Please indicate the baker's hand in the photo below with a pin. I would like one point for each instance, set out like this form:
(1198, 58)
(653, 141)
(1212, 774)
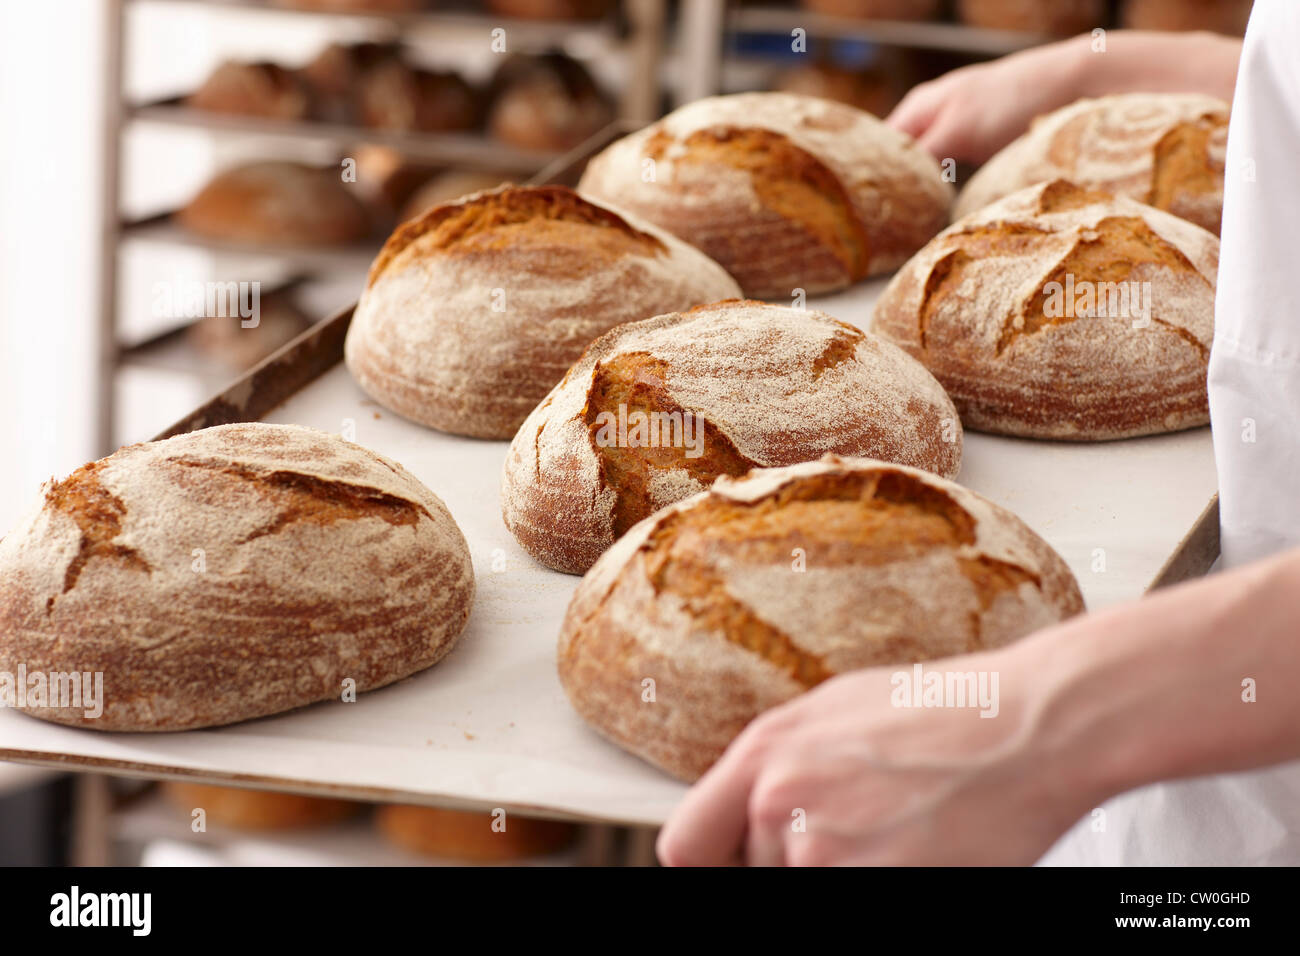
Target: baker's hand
(971, 113)
(840, 775)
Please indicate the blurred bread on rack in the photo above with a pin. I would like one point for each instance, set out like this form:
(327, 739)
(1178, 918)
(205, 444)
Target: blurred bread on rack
(335, 73)
(872, 91)
(276, 201)
(393, 95)
(551, 9)
(253, 89)
(472, 837)
(354, 6)
(1058, 17)
(546, 102)
(225, 338)
(1219, 16)
(877, 9)
(449, 186)
(255, 809)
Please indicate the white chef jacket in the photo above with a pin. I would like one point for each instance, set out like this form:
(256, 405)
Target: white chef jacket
(1245, 818)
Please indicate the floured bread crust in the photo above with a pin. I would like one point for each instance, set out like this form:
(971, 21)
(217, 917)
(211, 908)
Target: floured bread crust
(475, 309)
(231, 573)
(1163, 149)
(996, 307)
(784, 191)
(763, 385)
(746, 595)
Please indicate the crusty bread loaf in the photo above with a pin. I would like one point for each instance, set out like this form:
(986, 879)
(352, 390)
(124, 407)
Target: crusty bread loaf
(1220, 16)
(473, 837)
(784, 191)
(475, 309)
(231, 573)
(253, 89)
(450, 186)
(546, 102)
(277, 202)
(1163, 149)
(752, 385)
(746, 595)
(393, 95)
(1060, 17)
(255, 809)
(877, 9)
(335, 75)
(997, 308)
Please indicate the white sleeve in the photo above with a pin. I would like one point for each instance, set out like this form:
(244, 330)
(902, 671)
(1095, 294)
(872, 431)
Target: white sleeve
(1255, 360)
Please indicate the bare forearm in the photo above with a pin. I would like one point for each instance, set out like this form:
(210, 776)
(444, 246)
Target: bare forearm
(1159, 690)
(1150, 62)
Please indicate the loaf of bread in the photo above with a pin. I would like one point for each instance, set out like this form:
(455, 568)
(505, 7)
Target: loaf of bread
(230, 573)
(277, 202)
(255, 809)
(748, 594)
(335, 75)
(1061, 312)
(656, 410)
(473, 311)
(450, 186)
(877, 9)
(472, 837)
(226, 340)
(253, 89)
(392, 95)
(547, 102)
(1060, 17)
(1220, 16)
(1163, 149)
(786, 192)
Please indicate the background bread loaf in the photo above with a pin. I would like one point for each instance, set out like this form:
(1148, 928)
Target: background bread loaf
(277, 202)
(1163, 149)
(705, 599)
(459, 835)
(231, 573)
(255, 809)
(253, 89)
(996, 308)
(473, 311)
(784, 191)
(761, 385)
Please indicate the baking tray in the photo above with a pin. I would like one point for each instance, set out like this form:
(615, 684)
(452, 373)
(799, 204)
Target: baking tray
(489, 726)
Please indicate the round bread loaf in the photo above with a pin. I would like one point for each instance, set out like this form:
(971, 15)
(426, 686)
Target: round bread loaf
(877, 9)
(230, 573)
(335, 75)
(474, 837)
(1058, 17)
(547, 102)
(392, 95)
(656, 410)
(1221, 16)
(786, 192)
(1163, 149)
(473, 311)
(748, 594)
(253, 89)
(256, 809)
(1062, 313)
(277, 202)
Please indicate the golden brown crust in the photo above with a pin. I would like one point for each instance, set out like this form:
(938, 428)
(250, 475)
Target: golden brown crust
(697, 620)
(230, 573)
(256, 809)
(479, 837)
(785, 191)
(277, 202)
(732, 386)
(474, 310)
(992, 308)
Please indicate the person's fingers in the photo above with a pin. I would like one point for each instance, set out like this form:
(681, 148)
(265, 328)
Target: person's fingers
(949, 138)
(916, 111)
(708, 827)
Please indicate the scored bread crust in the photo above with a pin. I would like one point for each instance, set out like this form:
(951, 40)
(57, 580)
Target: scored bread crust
(746, 595)
(276, 202)
(230, 573)
(1164, 149)
(971, 307)
(785, 191)
(428, 341)
(774, 386)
